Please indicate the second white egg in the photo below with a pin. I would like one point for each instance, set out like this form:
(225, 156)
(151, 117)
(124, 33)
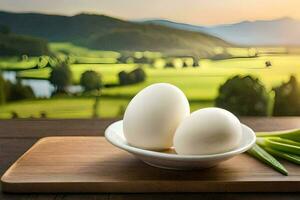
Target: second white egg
(208, 131)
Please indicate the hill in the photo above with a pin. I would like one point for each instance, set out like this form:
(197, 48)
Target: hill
(177, 25)
(107, 33)
(283, 31)
(17, 45)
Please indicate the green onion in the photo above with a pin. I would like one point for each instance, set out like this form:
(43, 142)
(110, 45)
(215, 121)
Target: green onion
(289, 147)
(291, 157)
(265, 157)
(285, 141)
(292, 134)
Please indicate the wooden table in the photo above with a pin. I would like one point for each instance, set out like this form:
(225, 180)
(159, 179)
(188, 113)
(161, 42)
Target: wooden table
(16, 136)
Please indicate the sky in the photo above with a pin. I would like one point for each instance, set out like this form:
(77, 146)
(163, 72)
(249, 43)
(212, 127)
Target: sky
(198, 12)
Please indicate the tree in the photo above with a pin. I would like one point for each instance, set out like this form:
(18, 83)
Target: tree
(90, 80)
(14, 91)
(138, 74)
(195, 62)
(142, 59)
(17, 91)
(96, 107)
(4, 29)
(61, 77)
(287, 98)
(244, 96)
(2, 90)
(122, 78)
(169, 64)
(18, 45)
(135, 76)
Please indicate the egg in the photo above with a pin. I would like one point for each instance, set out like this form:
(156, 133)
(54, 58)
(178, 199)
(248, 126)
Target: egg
(153, 115)
(208, 131)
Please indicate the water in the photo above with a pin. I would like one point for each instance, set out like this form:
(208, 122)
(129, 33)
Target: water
(9, 76)
(41, 88)
(74, 89)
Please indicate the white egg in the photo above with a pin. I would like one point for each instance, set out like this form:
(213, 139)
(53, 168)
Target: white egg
(153, 115)
(208, 131)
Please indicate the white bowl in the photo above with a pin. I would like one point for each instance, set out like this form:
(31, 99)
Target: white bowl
(169, 159)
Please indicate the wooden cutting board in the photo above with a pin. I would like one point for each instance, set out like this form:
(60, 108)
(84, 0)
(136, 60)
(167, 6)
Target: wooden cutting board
(91, 164)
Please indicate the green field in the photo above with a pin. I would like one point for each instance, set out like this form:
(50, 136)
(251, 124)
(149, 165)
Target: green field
(199, 84)
(62, 108)
(15, 64)
(72, 108)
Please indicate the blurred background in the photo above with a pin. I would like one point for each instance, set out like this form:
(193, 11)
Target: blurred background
(87, 59)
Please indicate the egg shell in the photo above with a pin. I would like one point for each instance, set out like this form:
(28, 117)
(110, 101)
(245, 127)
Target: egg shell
(153, 115)
(208, 131)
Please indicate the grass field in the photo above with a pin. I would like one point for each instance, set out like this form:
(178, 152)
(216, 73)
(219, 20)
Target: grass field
(199, 84)
(65, 47)
(62, 108)
(72, 107)
(14, 63)
(203, 82)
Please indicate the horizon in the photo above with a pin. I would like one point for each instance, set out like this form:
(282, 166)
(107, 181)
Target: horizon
(200, 12)
(145, 19)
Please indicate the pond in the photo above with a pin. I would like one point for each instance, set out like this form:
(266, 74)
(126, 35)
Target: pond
(41, 88)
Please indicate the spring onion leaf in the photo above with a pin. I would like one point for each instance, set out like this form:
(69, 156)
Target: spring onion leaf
(285, 141)
(289, 147)
(290, 157)
(292, 134)
(265, 157)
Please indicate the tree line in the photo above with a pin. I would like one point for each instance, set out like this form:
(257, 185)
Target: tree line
(17, 45)
(10, 91)
(242, 95)
(247, 96)
(61, 78)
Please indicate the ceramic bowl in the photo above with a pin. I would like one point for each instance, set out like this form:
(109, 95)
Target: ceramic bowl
(169, 159)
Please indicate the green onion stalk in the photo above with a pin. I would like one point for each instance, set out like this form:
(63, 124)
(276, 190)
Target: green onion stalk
(283, 144)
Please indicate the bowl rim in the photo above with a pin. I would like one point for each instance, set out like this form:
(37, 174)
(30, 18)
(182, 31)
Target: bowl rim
(110, 130)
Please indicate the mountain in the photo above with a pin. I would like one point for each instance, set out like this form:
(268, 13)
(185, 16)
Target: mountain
(283, 31)
(107, 33)
(177, 25)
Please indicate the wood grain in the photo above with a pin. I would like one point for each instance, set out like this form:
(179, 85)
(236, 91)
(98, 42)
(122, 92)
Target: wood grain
(91, 164)
(37, 128)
